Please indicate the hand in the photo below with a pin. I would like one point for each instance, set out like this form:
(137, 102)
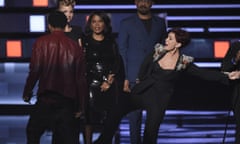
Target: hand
(105, 86)
(126, 86)
(234, 75)
(27, 98)
(110, 78)
(80, 42)
(78, 114)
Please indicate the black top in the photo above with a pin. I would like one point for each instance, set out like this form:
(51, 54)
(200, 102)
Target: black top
(102, 57)
(148, 24)
(162, 81)
(75, 33)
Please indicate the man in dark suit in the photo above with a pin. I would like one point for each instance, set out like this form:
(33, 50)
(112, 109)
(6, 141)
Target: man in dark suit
(137, 36)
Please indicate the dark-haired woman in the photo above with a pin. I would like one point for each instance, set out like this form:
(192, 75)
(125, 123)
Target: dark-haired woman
(105, 79)
(155, 86)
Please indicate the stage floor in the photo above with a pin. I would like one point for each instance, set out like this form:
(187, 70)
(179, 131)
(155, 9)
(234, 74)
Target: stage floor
(178, 127)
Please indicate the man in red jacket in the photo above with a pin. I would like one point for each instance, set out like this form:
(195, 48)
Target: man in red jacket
(58, 64)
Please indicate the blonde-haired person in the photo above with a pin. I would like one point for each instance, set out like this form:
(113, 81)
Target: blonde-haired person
(72, 31)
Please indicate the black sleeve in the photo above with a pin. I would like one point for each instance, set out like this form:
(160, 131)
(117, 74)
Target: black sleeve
(206, 74)
(228, 64)
(116, 64)
(146, 67)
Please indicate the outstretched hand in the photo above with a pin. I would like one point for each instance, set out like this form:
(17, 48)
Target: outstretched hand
(234, 75)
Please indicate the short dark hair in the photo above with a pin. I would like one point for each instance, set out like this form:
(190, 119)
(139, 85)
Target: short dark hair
(182, 36)
(57, 19)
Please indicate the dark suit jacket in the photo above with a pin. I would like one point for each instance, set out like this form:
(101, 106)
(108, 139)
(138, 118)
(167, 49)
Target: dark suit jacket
(135, 42)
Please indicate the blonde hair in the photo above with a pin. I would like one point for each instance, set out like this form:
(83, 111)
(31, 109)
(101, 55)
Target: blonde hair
(66, 3)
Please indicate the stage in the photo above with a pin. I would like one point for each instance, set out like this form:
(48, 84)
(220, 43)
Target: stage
(178, 127)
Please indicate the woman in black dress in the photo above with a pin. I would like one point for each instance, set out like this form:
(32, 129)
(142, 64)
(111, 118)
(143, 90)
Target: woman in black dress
(103, 70)
(155, 86)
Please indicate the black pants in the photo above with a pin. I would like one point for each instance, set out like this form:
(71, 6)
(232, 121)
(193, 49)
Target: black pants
(52, 114)
(155, 106)
(237, 119)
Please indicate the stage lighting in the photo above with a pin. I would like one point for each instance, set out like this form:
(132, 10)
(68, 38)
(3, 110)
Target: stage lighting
(220, 48)
(40, 3)
(14, 48)
(37, 23)
(2, 3)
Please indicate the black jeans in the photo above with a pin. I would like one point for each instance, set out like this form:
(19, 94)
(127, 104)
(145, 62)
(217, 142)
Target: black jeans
(237, 119)
(55, 113)
(155, 106)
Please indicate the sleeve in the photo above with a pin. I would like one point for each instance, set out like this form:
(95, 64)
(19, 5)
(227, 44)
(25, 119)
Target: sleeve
(116, 63)
(123, 45)
(228, 63)
(146, 67)
(144, 76)
(81, 81)
(34, 69)
(205, 74)
(118, 67)
(78, 31)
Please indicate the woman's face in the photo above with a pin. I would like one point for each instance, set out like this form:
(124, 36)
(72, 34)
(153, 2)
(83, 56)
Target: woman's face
(97, 24)
(68, 11)
(171, 42)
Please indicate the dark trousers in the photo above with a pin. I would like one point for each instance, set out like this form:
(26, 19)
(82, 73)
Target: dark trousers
(236, 110)
(237, 119)
(55, 115)
(155, 107)
(135, 122)
(113, 120)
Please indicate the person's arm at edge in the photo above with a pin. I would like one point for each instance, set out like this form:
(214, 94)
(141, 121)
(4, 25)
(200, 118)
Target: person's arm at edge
(33, 75)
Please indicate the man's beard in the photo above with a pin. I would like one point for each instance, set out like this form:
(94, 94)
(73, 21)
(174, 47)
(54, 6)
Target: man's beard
(143, 10)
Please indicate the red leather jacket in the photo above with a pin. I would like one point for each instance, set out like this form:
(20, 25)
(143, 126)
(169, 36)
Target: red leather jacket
(59, 64)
